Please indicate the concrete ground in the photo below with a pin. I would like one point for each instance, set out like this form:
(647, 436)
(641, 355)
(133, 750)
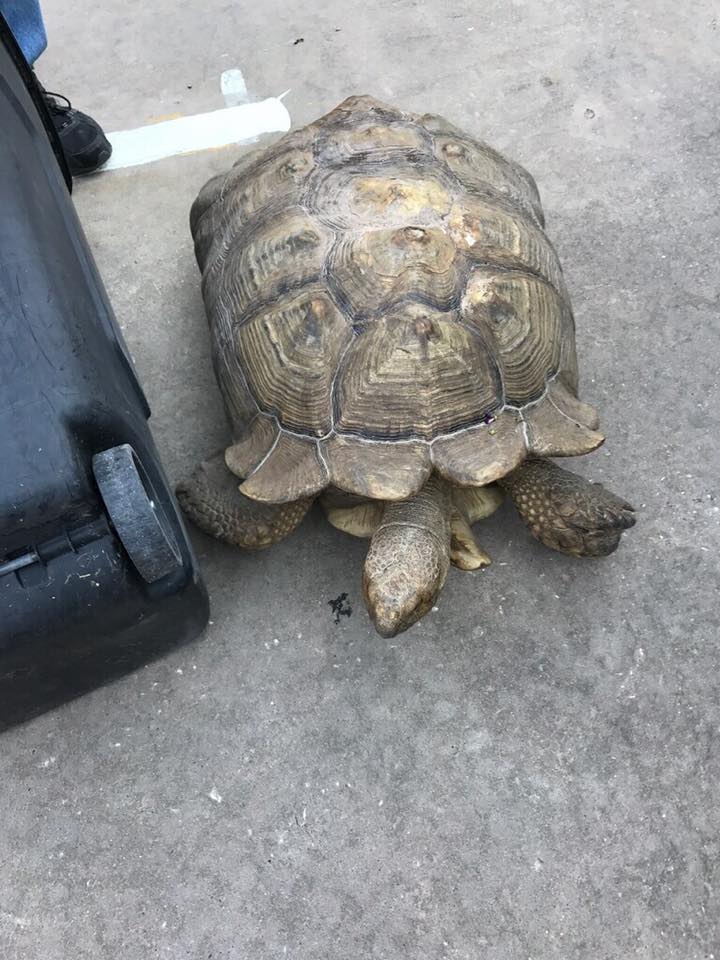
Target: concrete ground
(533, 771)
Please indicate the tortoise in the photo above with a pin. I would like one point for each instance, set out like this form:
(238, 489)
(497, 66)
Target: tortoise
(392, 335)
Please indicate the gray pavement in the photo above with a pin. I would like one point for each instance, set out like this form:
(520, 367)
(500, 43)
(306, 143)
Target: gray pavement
(531, 773)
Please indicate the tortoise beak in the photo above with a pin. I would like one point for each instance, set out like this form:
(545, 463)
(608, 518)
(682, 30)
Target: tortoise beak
(395, 604)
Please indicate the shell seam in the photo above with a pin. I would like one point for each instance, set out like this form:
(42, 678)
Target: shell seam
(562, 413)
(321, 458)
(406, 440)
(267, 455)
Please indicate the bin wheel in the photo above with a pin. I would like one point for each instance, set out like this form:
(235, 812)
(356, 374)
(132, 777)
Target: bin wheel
(136, 513)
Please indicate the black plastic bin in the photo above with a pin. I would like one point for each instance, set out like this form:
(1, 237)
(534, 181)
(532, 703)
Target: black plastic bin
(96, 572)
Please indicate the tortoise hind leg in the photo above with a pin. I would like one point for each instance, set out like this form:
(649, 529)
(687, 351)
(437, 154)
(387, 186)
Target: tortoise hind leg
(211, 499)
(567, 512)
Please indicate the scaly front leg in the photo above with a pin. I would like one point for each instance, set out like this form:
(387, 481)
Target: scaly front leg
(565, 511)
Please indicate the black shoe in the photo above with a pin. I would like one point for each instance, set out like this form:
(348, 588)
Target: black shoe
(84, 144)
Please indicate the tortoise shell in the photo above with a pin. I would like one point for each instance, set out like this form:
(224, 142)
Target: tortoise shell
(384, 302)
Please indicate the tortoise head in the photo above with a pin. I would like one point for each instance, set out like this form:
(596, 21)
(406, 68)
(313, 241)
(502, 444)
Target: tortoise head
(409, 559)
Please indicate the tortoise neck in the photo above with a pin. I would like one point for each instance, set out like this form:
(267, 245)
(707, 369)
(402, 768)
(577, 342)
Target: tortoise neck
(429, 509)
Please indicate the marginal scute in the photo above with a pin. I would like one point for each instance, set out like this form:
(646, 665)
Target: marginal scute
(381, 471)
(240, 404)
(293, 469)
(553, 434)
(439, 126)
(244, 455)
(417, 373)
(372, 140)
(481, 454)
(568, 403)
(205, 218)
(207, 196)
(363, 129)
(522, 317)
(358, 109)
(296, 344)
(568, 367)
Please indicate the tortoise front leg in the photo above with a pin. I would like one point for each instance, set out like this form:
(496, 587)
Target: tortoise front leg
(211, 499)
(565, 511)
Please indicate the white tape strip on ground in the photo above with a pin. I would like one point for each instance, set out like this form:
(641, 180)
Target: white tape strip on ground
(233, 87)
(203, 131)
